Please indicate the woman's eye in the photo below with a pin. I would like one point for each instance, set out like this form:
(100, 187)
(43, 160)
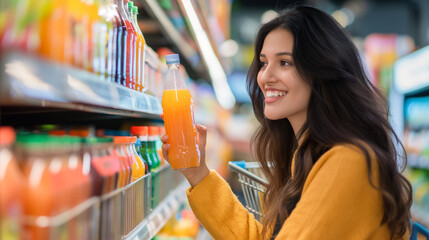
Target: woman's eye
(284, 63)
(262, 64)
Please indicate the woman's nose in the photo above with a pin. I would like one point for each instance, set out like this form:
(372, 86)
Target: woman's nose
(268, 74)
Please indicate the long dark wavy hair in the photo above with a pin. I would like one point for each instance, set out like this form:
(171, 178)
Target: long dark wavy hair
(344, 107)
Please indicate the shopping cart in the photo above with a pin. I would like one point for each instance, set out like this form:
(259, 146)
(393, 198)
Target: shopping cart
(253, 184)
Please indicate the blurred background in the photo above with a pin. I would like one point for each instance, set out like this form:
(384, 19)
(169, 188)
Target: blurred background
(87, 71)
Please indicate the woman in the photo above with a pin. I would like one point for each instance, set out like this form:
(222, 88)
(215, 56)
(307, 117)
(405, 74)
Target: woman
(325, 132)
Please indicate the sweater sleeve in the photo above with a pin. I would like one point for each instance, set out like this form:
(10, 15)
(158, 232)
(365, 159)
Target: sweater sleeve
(220, 212)
(337, 200)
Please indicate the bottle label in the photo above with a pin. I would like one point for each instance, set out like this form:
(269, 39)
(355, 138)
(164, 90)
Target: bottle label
(106, 166)
(143, 138)
(153, 138)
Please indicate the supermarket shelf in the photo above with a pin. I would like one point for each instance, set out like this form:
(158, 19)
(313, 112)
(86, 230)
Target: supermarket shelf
(168, 29)
(420, 215)
(160, 215)
(30, 81)
(417, 161)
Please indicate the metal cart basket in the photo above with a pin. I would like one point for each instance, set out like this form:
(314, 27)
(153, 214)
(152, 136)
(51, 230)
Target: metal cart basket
(253, 183)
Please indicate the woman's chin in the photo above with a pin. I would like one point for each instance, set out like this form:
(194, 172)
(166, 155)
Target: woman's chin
(273, 116)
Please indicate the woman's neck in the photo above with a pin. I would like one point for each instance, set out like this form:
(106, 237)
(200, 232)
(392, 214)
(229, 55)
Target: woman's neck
(297, 122)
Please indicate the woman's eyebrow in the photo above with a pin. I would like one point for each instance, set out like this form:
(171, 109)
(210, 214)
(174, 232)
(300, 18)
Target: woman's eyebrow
(277, 54)
(283, 53)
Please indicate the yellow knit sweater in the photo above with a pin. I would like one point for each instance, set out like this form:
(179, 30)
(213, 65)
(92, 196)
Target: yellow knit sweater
(337, 202)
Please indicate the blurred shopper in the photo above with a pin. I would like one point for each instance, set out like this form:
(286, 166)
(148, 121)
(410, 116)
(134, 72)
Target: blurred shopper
(324, 131)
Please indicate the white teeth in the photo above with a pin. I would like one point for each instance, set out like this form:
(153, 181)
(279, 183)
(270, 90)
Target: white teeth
(275, 93)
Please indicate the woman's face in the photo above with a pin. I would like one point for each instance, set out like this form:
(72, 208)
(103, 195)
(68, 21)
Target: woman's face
(286, 94)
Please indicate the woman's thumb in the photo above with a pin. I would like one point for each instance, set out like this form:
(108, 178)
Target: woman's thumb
(202, 135)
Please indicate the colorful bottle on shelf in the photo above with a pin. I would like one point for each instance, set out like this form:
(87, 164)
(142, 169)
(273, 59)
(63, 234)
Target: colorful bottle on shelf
(80, 28)
(179, 119)
(122, 42)
(120, 150)
(130, 50)
(87, 145)
(112, 47)
(141, 52)
(105, 166)
(79, 172)
(11, 187)
(142, 133)
(101, 39)
(134, 66)
(41, 195)
(153, 137)
(138, 147)
(92, 38)
(138, 164)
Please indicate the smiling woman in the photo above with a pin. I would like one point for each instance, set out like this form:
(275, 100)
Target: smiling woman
(325, 135)
(286, 94)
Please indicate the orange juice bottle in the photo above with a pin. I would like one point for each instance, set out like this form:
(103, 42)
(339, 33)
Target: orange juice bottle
(179, 118)
(11, 187)
(44, 30)
(138, 165)
(55, 38)
(124, 156)
(39, 193)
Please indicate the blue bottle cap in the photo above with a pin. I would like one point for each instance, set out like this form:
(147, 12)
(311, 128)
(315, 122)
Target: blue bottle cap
(172, 58)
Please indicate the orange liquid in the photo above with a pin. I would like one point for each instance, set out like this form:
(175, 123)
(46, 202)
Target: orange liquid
(55, 32)
(138, 168)
(139, 65)
(11, 193)
(39, 197)
(180, 128)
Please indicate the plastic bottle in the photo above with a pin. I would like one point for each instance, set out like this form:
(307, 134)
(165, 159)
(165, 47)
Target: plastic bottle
(92, 36)
(112, 48)
(129, 81)
(141, 52)
(179, 119)
(153, 137)
(142, 133)
(58, 149)
(121, 151)
(138, 147)
(105, 166)
(136, 43)
(40, 193)
(121, 43)
(87, 143)
(138, 164)
(11, 186)
(80, 173)
(102, 34)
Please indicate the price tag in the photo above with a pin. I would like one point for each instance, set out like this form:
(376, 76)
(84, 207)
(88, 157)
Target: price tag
(133, 100)
(149, 104)
(159, 218)
(151, 228)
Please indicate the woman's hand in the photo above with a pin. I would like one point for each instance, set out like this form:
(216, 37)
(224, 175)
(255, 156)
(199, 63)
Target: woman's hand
(196, 174)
